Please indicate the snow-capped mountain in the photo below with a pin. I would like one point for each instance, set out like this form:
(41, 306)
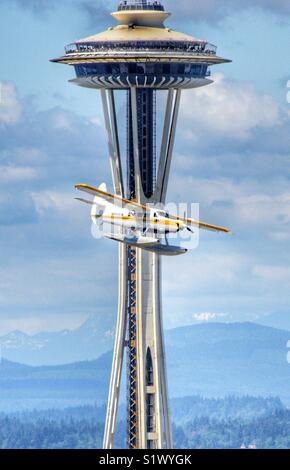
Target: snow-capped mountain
(211, 360)
(92, 339)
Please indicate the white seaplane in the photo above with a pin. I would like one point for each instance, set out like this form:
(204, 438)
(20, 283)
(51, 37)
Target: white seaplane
(141, 226)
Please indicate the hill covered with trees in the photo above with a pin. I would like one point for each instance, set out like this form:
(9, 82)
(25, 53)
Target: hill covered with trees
(229, 423)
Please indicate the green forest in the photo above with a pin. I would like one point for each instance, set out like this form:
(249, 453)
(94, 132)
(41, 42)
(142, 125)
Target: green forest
(202, 424)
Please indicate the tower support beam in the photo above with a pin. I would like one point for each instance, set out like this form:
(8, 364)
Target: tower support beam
(110, 117)
(168, 138)
(109, 109)
(139, 194)
(118, 354)
(140, 306)
(153, 427)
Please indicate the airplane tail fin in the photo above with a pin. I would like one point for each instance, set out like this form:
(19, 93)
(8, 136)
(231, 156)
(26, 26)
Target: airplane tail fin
(103, 187)
(97, 203)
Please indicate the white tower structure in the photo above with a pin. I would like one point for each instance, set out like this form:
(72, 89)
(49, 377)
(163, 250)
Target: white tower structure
(142, 57)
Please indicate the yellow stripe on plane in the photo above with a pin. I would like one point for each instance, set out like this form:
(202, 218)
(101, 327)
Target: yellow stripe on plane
(133, 219)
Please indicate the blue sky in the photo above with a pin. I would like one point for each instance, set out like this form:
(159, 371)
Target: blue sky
(231, 156)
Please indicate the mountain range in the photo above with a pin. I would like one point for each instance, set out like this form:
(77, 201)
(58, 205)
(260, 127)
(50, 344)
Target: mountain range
(279, 320)
(211, 360)
(88, 342)
(92, 339)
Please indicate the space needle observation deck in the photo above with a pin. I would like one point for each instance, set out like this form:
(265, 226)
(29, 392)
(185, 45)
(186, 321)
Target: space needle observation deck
(140, 51)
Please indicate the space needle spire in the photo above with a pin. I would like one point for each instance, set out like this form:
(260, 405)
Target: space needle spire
(142, 57)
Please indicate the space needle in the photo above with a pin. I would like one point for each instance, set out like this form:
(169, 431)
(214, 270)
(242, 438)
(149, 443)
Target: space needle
(142, 57)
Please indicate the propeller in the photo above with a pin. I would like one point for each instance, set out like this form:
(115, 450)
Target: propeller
(189, 229)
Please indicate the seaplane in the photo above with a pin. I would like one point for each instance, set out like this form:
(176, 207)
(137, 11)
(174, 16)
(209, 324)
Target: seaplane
(138, 225)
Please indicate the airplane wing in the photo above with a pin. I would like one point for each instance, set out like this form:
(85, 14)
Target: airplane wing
(209, 227)
(112, 198)
(204, 226)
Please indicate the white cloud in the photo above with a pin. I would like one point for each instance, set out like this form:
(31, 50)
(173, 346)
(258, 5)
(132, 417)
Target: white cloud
(182, 10)
(211, 10)
(26, 155)
(265, 212)
(203, 271)
(240, 204)
(97, 121)
(56, 282)
(36, 324)
(229, 109)
(10, 106)
(280, 236)
(209, 190)
(13, 174)
(216, 277)
(16, 208)
(273, 273)
(61, 120)
(59, 201)
(206, 316)
(264, 209)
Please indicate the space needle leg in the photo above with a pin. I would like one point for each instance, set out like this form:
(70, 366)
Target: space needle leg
(169, 131)
(120, 336)
(138, 183)
(141, 414)
(109, 109)
(154, 427)
(167, 437)
(158, 356)
(115, 382)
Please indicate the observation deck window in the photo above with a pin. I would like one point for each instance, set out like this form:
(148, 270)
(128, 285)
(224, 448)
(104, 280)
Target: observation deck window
(128, 5)
(143, 69)
(148, 46)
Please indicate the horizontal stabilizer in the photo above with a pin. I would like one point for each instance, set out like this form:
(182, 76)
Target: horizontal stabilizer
(84, 200)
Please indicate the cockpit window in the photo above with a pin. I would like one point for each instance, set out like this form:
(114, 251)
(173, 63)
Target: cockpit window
(162, 214)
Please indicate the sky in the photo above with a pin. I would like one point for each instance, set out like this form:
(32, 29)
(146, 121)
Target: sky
(231, 156)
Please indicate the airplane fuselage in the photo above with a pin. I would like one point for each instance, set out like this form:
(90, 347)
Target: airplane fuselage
(153, 221)
(138, 225)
